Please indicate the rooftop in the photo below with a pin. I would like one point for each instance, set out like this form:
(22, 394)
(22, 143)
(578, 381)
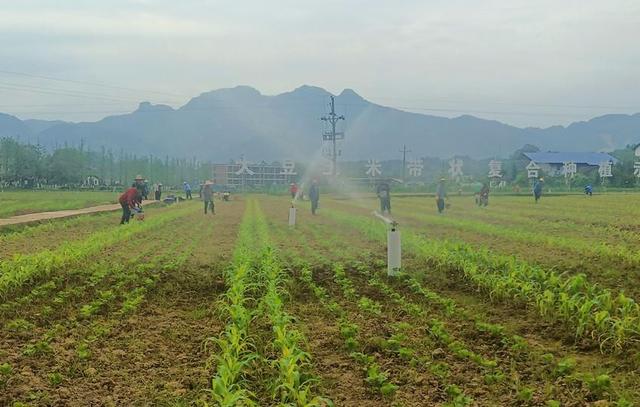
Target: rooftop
(578, 158)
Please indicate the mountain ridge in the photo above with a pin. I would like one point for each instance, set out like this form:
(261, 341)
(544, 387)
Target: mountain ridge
(225, 123)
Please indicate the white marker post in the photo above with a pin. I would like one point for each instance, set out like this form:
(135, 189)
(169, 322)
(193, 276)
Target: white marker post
(394, 251)
(292, 216)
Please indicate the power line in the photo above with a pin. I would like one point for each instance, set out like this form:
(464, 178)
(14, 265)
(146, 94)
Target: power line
(99, 84)
(62, 92)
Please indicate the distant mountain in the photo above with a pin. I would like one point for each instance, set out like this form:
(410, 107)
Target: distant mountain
(226, 123)
(11, 126)
(36, 126)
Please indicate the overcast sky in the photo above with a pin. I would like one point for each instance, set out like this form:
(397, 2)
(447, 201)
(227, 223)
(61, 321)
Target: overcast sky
(528, 63)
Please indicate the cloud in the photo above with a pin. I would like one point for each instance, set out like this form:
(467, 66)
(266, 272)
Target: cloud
(457, 55)
(120, 24)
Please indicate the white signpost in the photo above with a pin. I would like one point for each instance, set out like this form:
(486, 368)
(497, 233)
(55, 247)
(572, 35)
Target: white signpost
(604, 170)
(374, 168)
(455, 169)
(495, 172)
(569, 169)
(244, 167)
(415, 167)
(533, 170)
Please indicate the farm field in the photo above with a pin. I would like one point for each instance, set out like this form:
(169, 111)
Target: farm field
(24, 202)
(515, 304)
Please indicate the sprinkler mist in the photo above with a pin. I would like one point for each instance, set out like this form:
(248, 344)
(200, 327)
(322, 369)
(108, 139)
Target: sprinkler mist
(394, 249)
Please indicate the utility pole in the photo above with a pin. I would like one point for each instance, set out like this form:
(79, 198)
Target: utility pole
(404, 152)
(332, 135)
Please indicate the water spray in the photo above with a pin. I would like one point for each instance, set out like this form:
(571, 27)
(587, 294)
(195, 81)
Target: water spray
(394, 247)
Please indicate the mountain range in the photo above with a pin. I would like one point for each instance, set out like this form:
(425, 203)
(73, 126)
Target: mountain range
(223, 124)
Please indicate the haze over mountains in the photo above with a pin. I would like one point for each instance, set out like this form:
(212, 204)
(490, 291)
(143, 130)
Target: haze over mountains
(223, 124)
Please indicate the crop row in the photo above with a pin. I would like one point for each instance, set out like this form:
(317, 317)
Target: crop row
(235, 348)
(620, 253)
(593, 312)
(27, 268)
(526, 218)
(257, 290)
(548, 369)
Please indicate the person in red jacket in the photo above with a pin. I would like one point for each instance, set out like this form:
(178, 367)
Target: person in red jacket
(129, 200)
(293, 189)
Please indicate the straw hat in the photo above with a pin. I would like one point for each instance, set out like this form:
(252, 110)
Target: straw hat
(208, 182)
(138, 178)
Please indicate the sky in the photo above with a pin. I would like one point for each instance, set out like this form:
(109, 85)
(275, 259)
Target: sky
(526, 63)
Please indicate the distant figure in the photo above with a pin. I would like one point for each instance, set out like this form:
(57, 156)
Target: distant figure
(314, 196)
(187, 189)
(225, 196)
(139, 184)
(157, 190)
(384, 194)
(293, 189)
(207, 197)
(537, 189)
(483, 199)
(129, 200)
(588, 190)
(145, 190)
(441, 194)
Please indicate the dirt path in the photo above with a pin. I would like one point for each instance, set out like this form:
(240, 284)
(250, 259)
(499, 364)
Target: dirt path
(36, 217)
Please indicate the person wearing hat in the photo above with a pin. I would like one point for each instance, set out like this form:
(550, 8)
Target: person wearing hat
(537, 189)
(187, 189)
(441, 194)
(207, 197)
(139, 184)
(129, 200)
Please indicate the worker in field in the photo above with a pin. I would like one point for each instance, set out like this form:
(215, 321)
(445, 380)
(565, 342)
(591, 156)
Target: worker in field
(383, 191)
(157, 190)
(187, 189)
(588, 190)
(130, 199)
(207, 197)
(441, 194)
(293, 190)
(314, 196)
(537, 189)
(145, 190)
(483, 199)
(138, 181)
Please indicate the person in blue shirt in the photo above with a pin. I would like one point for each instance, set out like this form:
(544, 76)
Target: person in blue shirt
(588, 190)
(187, 189)
(537, 189)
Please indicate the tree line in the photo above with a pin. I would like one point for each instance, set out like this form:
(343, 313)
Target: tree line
(33, 166)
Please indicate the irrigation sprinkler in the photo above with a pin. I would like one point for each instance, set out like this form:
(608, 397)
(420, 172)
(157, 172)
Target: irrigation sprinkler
(292, 216)
(394, 246)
